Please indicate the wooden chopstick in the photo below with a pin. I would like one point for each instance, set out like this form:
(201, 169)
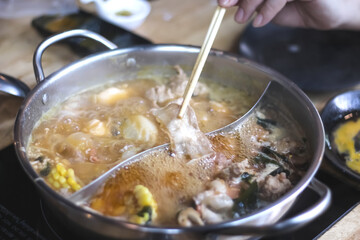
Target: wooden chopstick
(201, 59)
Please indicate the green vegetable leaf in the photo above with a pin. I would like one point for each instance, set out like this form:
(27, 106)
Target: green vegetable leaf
(46, 170)
(267, 124)
(246, 177)
(247, 200)
(143, 211)
(40, 159)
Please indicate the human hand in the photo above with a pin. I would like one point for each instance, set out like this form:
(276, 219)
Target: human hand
(318, 14)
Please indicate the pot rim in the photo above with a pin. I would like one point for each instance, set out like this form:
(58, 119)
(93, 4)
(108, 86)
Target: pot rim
(292, 87)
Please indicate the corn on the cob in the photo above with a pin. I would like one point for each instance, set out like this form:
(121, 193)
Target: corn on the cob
(146, 210)
(60, 177)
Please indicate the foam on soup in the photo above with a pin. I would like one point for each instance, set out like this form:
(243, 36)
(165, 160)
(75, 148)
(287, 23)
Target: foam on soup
(250, 167)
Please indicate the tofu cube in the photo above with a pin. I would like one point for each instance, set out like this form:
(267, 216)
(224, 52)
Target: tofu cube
(140, 128)
(111, 95)
(97, 127)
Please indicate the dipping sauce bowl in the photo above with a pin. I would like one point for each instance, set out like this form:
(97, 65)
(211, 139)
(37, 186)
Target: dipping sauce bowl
(341, 122)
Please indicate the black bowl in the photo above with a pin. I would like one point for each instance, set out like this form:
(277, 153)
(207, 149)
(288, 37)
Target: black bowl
(337, 110)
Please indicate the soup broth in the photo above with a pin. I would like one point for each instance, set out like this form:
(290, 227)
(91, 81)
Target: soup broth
(252, 166)
(81, 138)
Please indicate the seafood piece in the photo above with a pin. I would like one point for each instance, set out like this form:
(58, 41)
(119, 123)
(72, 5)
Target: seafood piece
(189, 217)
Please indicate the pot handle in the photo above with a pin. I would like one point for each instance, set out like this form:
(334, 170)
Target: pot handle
(13, 86)
(286, 225)
(39, 72)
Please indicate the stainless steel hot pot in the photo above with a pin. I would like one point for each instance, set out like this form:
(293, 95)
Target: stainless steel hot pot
(131, 63)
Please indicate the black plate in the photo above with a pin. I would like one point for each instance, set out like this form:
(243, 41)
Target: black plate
(315, 60)
(53, 24)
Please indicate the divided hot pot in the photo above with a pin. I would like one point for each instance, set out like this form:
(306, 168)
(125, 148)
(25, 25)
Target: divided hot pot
(157, 60)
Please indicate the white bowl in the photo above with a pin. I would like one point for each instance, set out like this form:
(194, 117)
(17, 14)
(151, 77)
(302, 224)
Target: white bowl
(111, 10)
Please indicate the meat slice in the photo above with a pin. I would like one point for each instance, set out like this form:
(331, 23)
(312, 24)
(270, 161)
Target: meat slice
(274, 187)
(162, 94)
(185, 136)
(214, 204)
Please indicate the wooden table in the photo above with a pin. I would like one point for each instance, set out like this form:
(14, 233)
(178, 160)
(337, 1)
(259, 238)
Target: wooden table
(170, 21)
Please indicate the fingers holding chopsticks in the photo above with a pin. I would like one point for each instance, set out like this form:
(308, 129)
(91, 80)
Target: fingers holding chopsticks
(266, 9)
(317, 14)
